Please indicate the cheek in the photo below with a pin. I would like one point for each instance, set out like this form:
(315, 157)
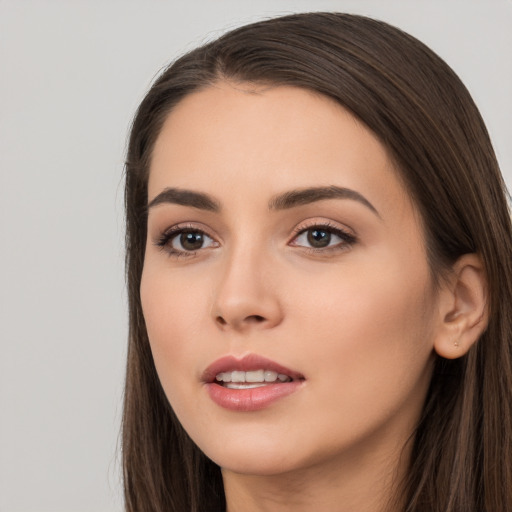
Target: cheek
(174, 312)
(370, 332)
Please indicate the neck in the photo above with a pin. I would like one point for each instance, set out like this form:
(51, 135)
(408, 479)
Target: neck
(357, 481)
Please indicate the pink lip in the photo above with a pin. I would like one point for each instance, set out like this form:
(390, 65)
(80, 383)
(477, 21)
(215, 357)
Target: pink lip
(246, 364)
(245, 400)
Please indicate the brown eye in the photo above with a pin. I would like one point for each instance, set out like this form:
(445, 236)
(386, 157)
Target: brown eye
(324, 237)
(189, 241)
(318, 238)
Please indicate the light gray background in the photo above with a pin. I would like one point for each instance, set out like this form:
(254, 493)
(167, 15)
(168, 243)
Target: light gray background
(71, 76)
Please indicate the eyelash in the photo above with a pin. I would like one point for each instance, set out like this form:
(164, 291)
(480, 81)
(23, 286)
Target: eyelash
(165, 239)
(348, 239)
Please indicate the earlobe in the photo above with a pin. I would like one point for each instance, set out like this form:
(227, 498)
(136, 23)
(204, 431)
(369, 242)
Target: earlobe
(463, 308)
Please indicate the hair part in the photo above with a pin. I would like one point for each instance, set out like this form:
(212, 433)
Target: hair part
(425, 117)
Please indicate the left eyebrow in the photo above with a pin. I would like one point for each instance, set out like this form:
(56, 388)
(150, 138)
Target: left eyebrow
(299, 197)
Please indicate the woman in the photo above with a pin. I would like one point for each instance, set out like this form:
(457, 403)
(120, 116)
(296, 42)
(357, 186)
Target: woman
(319, 270)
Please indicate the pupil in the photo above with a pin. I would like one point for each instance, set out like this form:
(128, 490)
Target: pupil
(191, 241)
(319, 238)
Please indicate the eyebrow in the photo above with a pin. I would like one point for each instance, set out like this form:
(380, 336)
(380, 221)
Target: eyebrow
(285, 201)
(186, 198)
(305, 196)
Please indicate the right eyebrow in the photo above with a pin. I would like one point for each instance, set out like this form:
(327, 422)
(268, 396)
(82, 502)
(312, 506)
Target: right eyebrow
(185, 198)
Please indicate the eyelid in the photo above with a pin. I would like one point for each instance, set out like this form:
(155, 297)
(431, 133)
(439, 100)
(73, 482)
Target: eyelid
(322, 223)
(346, 234)
(162, 240)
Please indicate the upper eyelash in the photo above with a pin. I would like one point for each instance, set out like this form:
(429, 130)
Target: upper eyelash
(163, 239)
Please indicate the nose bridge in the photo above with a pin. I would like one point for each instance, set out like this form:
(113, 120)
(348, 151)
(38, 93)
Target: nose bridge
(245, 295)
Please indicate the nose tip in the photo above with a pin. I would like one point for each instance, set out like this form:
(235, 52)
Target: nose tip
(246, 297)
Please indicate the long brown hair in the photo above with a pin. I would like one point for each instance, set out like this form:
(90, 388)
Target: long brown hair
(423, 114)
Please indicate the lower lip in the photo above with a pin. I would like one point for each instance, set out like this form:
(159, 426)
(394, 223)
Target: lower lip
(254, 399)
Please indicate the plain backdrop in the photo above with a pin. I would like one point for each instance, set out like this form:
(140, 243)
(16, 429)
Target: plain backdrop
(71, 76)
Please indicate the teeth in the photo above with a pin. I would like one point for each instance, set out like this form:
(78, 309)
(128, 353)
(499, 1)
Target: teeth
(234, 385)
(256, 377)
(224, 377)
(270, 376)
(237, 376)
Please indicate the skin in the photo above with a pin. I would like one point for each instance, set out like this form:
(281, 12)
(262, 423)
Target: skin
(358, 319)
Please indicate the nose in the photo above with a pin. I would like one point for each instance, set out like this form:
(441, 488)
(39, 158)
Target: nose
(246, 295)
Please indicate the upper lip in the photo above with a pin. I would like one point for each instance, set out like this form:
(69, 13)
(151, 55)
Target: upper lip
(247, 363)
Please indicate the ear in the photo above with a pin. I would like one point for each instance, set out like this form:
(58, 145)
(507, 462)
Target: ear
(463, 308)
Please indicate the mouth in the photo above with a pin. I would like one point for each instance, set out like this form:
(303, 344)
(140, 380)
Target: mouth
(250, 383)
(236, 379)
(251, 371)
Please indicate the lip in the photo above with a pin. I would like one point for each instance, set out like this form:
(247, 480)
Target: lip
(253, 399)
(247, 363)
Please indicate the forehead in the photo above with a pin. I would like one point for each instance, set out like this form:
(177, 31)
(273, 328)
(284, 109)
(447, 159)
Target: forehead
(268, 139)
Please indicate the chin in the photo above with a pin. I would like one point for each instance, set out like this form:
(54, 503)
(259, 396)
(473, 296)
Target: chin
(253, 458)
(258, 467)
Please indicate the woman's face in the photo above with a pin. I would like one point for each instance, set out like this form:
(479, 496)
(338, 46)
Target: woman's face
(282, 246)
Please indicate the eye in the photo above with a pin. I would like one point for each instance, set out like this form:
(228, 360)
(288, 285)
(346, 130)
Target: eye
(180, 241)
(190, 241)
(323, 237)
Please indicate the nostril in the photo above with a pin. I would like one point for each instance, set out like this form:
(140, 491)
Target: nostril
(239, 323)
(255, 318)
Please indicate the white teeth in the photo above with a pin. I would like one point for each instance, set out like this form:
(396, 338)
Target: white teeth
(253, 377)
(234, 385)
(256, 376)
(237, 376)
(270, 376)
